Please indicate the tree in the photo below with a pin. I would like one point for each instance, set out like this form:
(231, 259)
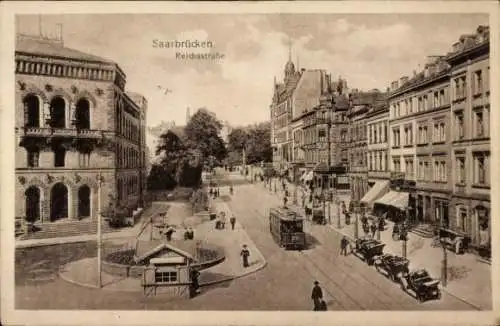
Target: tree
(237, 140)
(202, 134)
(259, 143)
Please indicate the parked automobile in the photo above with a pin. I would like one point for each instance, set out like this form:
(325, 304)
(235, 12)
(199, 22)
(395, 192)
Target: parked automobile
(393, 266)
(368, 249)
(421, 284)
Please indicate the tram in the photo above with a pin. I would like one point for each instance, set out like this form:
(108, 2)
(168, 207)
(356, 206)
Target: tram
(287, 228)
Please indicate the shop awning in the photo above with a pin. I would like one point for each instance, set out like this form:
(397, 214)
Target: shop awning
(394, 198)
(379, 189)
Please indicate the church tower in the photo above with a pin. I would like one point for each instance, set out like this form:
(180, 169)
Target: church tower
(289, 67)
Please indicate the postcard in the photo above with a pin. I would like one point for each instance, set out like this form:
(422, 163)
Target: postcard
(267, 163)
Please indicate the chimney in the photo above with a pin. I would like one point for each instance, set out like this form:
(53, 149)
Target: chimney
(403, 80)
(394, 85)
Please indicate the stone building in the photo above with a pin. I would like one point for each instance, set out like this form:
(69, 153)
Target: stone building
(420, 141)
(360, 104)
(75, 125)
(470, 210)
(377, 152)
(281, 117)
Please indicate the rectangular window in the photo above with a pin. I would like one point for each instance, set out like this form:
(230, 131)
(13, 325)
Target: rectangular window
(166, 277)
(84, 159)
(480, 168)
(459, 122)
(479, 123)
(435, 102)
(59, 157)
(427, 171)
(460, 170)
(420, 170)
(33, 158)
(478, 82)
(426, 102)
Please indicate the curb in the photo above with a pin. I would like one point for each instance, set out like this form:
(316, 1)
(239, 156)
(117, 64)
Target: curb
(256, 249)
(442, 288)
(67, 240)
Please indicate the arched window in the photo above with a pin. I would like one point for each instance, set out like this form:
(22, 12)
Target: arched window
(82, 114)
(31, 111)
(58, 113)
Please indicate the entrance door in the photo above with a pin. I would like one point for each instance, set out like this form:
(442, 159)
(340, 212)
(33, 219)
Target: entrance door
(58, 202)
(32, 195)
(84, 201)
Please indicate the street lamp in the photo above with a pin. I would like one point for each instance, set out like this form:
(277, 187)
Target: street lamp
(100, 180)
(337, 202)
(404, 235)
(444, 262)
(356, 225)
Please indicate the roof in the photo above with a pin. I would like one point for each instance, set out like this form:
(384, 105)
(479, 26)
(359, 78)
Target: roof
(145, 249)
(52, 48)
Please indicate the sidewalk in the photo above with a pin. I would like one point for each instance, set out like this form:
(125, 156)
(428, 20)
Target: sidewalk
(121, 233)
(83, 272)
(468, 279)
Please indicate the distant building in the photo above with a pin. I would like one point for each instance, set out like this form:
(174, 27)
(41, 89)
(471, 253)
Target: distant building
(281, 116)
(74, 122)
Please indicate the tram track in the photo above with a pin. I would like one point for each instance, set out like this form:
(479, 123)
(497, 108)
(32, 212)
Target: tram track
(394, 297)
(339, 301)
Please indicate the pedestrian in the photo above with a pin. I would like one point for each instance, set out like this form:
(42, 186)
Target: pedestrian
(245, 253)
(285, 200)
(186, 234)
(317, 296)
(373, 228)
(169, 233)
(210, 192)
(343, 246)
(194, 283)
(231, 190)
(191, 234)
(232, 220)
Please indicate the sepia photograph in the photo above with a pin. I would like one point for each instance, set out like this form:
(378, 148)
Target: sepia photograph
(241, 161)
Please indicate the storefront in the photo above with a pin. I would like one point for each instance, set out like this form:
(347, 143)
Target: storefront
(376, 191)
(399, 203)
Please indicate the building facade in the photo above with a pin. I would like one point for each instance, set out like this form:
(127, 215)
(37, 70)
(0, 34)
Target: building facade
(75, 128)
(360, 104)
(420, 146)
(281, 117)
(470, 210)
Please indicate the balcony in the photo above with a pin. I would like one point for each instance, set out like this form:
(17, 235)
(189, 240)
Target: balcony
(59, 132)
(379, 174)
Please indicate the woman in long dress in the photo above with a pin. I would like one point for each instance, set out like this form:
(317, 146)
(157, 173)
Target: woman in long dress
(245, 253)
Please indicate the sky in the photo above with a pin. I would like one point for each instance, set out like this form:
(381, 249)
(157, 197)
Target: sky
(369, 50)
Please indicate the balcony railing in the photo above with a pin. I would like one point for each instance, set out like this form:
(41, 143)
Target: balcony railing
(379, 174)
(59, 132)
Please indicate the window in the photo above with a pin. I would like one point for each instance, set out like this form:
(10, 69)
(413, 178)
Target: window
(480, 168)
(33, 158)
(439, 171)
(396, 141)
(166, 277)
(460, 87)
(441, 98)
(375, 140)
(462, 220)
(397, 164)
(408, 135)
(478, 82)
(420, 104)
(409, 168)
(426, 102)
(59, 156)
(420, 172)
(479, 124)
(322, 135)
(459, 121)
(435, 102)
(427, 171)
(439, 132)
(460, 170)
(84, 159)
(410, 106)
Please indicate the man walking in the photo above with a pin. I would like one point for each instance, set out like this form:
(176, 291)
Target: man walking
(343, 246)
(232, 220)
(317, 296)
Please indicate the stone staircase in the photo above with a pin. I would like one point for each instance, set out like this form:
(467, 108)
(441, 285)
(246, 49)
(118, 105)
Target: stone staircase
(66, 229)
(423, 230)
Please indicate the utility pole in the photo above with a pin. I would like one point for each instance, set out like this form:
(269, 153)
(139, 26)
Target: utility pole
(356, 225)
(99, 233)
(444, 264)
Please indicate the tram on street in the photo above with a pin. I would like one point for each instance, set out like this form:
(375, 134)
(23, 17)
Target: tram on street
(287, 228)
